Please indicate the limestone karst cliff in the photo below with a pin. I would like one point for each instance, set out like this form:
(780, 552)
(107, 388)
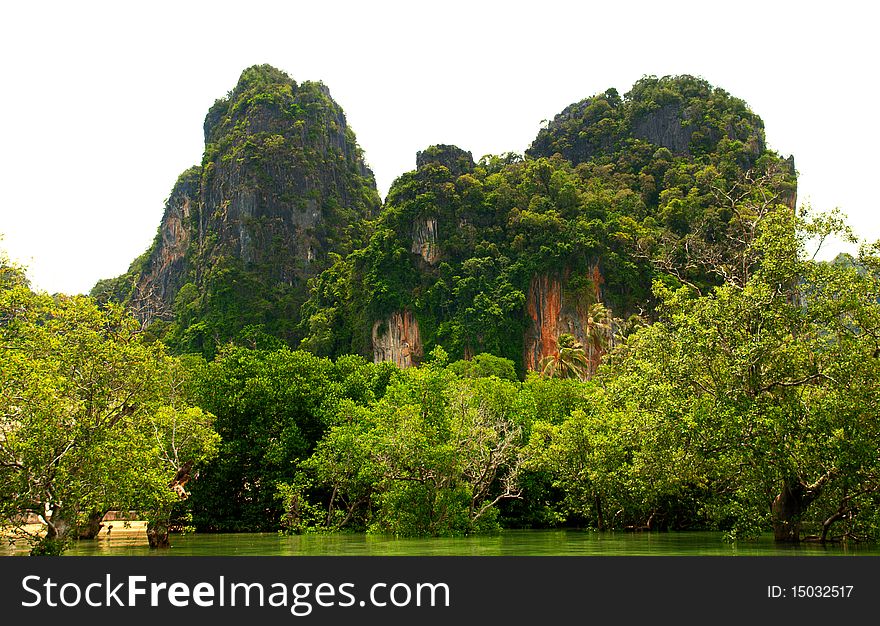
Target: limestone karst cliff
(397, 339)
(282, 185)
(507, 254)
(554, 309)
(278, 235)
(161, 276)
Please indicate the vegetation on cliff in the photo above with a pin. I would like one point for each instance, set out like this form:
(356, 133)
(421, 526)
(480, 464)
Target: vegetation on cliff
(614, 193)
(692, 366)
(282, 186)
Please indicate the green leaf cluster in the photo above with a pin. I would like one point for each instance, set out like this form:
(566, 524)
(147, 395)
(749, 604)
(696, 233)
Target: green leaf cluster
(91, 417)
(434, 456)
(272, 407)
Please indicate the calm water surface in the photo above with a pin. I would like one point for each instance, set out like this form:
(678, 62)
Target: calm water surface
(508, 543)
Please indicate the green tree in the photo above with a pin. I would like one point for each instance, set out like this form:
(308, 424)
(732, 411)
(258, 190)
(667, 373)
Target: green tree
(272, 407)
(597, 327)
(83, 409)
(767, 391)
(484, 365)
(569, 361)
(182, 440)
(434, 456)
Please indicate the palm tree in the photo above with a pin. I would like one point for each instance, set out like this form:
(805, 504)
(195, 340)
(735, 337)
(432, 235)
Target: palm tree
(598, 331)
(570, 360)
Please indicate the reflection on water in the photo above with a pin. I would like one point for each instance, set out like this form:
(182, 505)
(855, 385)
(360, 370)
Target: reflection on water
(507, 543)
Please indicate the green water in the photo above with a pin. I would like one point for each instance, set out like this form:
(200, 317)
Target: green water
(508, 543)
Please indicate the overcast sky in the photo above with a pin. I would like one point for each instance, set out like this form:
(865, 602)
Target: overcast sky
(103, 102)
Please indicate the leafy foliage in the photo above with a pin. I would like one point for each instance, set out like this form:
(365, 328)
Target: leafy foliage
(750, 407)
(607, 185)
(272, 407)
(91, 418)
(434, 456)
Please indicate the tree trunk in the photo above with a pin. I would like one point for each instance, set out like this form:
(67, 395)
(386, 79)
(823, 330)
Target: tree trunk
(158, 535)
(787, 509)
(55, 541)
(826, 525)
(792, 502)
(92, 527)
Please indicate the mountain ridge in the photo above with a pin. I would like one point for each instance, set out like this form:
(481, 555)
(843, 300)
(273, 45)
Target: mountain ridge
(279, 234)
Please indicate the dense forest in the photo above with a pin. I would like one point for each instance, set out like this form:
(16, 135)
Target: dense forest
(623, 327)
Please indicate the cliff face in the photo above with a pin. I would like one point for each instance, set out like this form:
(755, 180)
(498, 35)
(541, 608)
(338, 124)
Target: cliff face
(566, 303)
(508, 255)
(504, 256)
(544, 307)
(162, 275)
(285, 182)
(665, 127)
(421, 213)
(397, 339)
(425, 233)
(282, 185)
(424, 240)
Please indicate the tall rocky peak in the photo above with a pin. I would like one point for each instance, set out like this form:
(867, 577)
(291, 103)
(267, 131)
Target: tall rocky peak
(453, 158)
(683, 114)
(282, 185)
(283, 174)
(424, 225)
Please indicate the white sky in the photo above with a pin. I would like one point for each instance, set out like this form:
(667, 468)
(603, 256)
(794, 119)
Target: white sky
(102, 103)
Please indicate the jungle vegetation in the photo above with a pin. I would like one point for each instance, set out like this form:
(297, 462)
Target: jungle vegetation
(738, 391)
(749, 408)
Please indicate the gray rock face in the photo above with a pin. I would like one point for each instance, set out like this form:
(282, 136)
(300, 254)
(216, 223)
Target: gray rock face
(282, 184)
(664, 127)
(424, 240)
(164, 270)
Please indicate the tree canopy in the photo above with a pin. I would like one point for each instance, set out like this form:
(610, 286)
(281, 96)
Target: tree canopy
(93, 419)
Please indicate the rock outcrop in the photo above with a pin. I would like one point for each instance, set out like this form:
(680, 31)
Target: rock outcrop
(507, 256)
(424, 240)
(665, 127)
(397, 339)
(683, 114)
(284, 180)
(453, 158)
(165, 269)
(566, 303)
(282, 185)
